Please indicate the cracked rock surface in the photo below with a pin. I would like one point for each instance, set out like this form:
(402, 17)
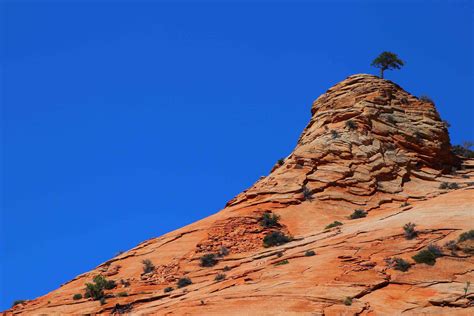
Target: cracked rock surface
(369, 145)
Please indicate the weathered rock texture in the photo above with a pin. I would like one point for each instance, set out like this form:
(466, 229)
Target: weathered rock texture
(370, 145)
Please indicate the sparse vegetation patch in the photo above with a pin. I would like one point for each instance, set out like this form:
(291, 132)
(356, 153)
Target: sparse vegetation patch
(409, 230)
(280, 263)
(358, 214)
(269, 220)
(77, 296)
(184, 282)
(208, 260)
(469, 235)
(96, 289)
(333, 224)
(307, 194)
(275, 239)
(148, 266)
(347, 301)
(220, 277)
(425, 256)
(399, 264)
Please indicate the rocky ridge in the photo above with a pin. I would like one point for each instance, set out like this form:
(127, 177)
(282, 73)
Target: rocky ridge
(370, 146)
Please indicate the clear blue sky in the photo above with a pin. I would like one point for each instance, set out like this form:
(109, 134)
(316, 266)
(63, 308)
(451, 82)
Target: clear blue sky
(124, 121)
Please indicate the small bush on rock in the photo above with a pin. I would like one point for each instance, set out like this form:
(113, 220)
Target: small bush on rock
(469, 235)
(463, 151)
(391, 119)
(208, 260)
(16, 302)
(334, 134)
(122, 294)
(280, 263)
(425, 256)
(96, 289)
(453, 186)
(351, 125)
(347, 301)
(435, 250)
(275, 239)
(168, 289)
(309, 253)
(223, 251)
(219, 277)
(307, 194)
(409, 230)
(77, 296)
(333, 224)
(269, 220)
(400, 264)
(452, 246)
(184, 282)
(358, 214)
(426, 98)
(148, 266)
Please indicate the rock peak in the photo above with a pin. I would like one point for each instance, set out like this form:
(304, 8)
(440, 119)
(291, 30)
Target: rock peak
(367, 137)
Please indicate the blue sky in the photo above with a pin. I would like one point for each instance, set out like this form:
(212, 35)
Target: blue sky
(122, 121)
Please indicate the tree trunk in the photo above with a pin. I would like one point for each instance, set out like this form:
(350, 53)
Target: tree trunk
(381, 72)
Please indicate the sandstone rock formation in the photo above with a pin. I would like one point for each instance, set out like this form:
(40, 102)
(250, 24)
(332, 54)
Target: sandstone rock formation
(370, 145)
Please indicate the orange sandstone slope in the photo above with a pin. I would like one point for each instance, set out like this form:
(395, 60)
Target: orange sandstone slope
(370, 145)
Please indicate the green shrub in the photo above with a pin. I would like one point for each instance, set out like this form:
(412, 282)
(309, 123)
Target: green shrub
(451, 245)
(280, 263)
(184, 282)
(444, 185)
(391, 119)
(102, 300)
(453, 186)
(122, 294)
(168, 289)
(400, 264)
(358, 214)
(220, 277)
(334, 134)
(409, 230)
(96, 289)
(223, 251)
(435, 250)
(208, 260)
(125, 283)
(269, 219)
(77, 296)
(462, 151)
(309, 253)
(351, 125)
(307, 194)
(425, 256)
(18, 302)
(466, 288)
(275, 239)
(348, 301)
(404, 204)
(148, 266)
(466, 236)
(333, 224)
(426, 98)
(281, 161)
(418, 137)
(226, 268)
